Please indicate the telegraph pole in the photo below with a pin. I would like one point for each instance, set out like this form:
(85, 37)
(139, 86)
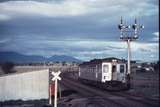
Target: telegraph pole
(127, 36)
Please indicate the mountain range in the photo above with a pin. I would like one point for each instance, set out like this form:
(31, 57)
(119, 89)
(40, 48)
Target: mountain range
(20, 58)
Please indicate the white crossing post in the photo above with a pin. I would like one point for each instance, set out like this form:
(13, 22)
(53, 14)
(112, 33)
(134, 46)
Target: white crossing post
(56, 78)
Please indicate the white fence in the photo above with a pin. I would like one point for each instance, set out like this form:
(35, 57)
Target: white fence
(25, 86)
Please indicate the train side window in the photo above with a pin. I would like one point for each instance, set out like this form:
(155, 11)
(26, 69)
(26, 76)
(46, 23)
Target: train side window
(105, 68)
(121, 68)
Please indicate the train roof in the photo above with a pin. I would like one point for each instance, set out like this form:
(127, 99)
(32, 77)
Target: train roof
(99, 61)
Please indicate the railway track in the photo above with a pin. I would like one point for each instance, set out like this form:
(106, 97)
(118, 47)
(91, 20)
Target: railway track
(102, 98)
(144, 100)
(93, 98)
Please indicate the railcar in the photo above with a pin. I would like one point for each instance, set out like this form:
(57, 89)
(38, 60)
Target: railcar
(108, 73)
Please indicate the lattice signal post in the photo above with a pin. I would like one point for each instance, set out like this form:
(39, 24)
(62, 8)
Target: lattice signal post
(129, 33)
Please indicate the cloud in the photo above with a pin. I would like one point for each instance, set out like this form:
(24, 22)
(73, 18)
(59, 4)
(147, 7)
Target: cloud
(85, 29)
(145, 47)
(82, 49)
(156, 34)
(80, 7)
(4, 17)
(156, 38)
(42, 8)
(2, 41)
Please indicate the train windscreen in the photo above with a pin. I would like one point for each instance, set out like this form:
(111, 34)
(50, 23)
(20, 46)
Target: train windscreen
(105, 68)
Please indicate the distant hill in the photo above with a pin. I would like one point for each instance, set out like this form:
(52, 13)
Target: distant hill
(20, 58)
(63, 58)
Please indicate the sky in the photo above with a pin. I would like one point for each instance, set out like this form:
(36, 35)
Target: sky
(84, 29)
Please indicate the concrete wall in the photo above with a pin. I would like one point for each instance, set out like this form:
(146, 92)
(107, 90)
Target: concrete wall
(25, 86)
